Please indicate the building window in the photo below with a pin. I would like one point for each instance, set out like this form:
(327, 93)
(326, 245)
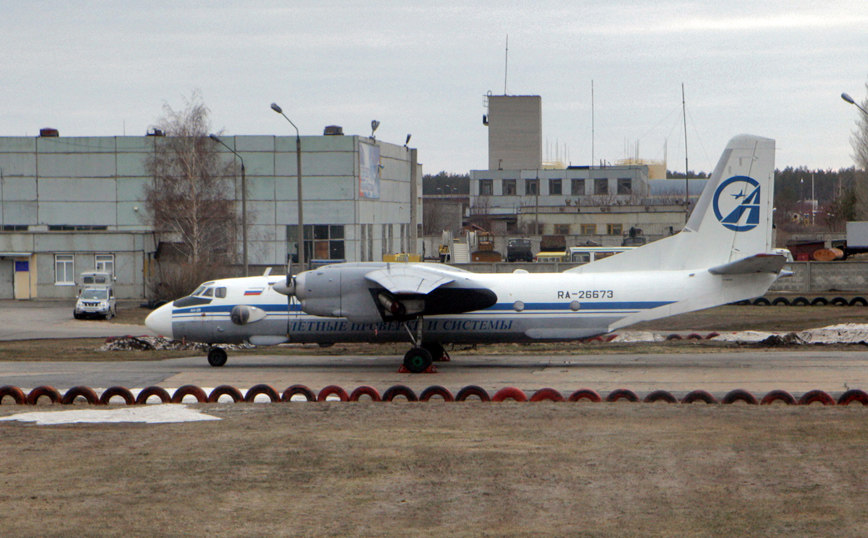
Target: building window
(614, 229)
(64, 269)
(486, 187)
(555, 187)
(105, 263)
(625, 185)
(589, 229)
(578, 187)
(509, 187)
(562, 229)
(321, 242)
(531, 187)
(601, 186)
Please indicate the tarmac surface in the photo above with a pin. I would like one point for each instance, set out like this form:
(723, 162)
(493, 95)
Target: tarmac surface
(758, 371)
(26, 320)
(718, 373)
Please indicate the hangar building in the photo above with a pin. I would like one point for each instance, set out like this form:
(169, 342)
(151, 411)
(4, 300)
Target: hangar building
(75, 204)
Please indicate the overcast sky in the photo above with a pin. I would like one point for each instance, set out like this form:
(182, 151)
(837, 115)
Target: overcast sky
(770, 68)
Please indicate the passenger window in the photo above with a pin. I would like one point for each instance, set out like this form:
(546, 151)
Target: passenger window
(220, 293)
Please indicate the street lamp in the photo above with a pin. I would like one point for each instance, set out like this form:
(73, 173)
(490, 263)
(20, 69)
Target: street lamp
(243, 204)
(850, 100)
(275, 107)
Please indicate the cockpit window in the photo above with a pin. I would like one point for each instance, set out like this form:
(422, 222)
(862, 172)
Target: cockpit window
(198, 291)
(220, 293)
(208, 293)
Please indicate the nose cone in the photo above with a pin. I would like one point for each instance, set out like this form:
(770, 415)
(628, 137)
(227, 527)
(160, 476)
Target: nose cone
(160, 320)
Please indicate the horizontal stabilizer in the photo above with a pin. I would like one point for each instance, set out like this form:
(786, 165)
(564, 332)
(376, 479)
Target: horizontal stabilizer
(408, 279)
(760, 263)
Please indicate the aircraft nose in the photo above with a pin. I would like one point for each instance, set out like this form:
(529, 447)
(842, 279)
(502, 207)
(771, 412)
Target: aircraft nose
(160, 320)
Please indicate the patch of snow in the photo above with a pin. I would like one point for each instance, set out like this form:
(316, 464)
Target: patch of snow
(845, 333)
(157, 414)
(638, 336)
(744, 337)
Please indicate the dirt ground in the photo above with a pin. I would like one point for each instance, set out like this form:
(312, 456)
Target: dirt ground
(457, 469)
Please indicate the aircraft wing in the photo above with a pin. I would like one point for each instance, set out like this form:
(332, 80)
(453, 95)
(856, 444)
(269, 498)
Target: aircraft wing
(760, 263)
(408, 279)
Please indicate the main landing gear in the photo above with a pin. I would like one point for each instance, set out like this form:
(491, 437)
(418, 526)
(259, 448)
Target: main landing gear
(217, 356)
(420, 358)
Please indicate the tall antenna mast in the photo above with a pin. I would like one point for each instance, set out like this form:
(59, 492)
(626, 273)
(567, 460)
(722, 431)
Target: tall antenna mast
(592, 122)
(506, 66)
(686, 167)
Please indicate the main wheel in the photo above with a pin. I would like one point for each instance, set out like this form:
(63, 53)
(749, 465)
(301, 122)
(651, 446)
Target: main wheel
(217, 356)
(417, 360)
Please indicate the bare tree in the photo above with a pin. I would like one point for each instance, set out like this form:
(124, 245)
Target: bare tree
(191, 201)
(859, 141)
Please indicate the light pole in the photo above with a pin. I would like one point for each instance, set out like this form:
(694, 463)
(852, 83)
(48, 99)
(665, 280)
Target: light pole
(850, 100)
(276, 108)
(243, 205)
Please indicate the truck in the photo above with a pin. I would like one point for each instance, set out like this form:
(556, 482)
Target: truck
(96, 296)
(518, 249)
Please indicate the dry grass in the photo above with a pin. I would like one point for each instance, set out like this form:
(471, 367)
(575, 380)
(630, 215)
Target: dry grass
(467, 469)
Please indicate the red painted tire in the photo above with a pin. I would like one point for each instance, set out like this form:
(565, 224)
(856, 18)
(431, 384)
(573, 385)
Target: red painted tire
(225, 390)
(711, 335)
(739, 395)
(159, 392)
(777, 395)
(44, 390)
(622, 394)
(585, 394)
(189, 390)
(699, 396)
(660, 396)
(694, 336)
(332, 389)
(436, 390)
(15, 393)
(611, 337)
(547, 394)
(594, 339)
(674, 336)
(399, 390)
(262, 388)
(298, 389)
(85, 392)
(853, 395)
(472, 390)
(509, 393)
(371, 392)
(813, 396)
(111, 392)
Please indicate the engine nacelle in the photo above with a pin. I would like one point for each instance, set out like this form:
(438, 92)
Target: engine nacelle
(243, 314)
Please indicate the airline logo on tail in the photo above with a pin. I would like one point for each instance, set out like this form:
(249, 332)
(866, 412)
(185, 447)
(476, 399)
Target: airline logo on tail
(737, 203)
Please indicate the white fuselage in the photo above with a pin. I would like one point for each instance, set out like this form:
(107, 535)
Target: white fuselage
(530, 306)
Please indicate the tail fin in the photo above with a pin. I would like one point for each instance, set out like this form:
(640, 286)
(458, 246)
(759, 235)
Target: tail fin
(731, 221)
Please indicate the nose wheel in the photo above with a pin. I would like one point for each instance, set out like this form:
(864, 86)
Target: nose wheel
(217, 356)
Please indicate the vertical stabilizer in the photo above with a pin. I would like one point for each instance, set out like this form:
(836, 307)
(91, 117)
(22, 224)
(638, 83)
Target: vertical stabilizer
(732, 219)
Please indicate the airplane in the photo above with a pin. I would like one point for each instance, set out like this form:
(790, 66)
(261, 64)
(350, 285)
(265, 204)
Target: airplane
(723, 255)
